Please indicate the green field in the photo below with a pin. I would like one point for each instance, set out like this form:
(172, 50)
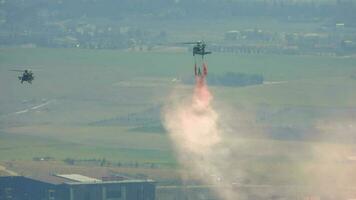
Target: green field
(90, 104)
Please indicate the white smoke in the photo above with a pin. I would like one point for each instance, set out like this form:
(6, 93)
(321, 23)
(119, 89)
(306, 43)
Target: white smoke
(193, 125)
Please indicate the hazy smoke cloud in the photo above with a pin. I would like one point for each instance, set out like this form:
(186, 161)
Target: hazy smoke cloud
(229, 150)
(335, 157)
(193, 125)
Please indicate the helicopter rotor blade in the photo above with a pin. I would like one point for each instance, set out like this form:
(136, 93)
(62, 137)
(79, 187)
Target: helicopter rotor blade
(188, 43)
(28, 69)
(17, 70)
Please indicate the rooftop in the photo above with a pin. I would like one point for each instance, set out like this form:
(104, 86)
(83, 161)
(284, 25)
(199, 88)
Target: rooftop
(76, 179)
(56, 174)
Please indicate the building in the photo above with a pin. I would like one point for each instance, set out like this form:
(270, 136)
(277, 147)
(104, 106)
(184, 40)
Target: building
(74, 187)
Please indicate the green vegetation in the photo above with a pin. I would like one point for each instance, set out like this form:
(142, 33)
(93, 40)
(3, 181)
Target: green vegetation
(106, 104)
(247, 27)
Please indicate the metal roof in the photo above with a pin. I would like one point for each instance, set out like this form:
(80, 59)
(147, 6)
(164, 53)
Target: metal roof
(57, 180)
(77, 178)
(113, 182)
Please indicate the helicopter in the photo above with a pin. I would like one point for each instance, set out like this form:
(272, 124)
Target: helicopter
(199, 49)
(27, 75)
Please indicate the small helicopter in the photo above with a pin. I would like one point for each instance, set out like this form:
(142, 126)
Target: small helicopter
(27, 75)
(199, 49)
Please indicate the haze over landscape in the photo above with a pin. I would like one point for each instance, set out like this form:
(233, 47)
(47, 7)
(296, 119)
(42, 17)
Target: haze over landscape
(115, 94)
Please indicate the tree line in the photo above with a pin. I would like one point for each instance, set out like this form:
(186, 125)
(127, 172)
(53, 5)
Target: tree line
(230, 79)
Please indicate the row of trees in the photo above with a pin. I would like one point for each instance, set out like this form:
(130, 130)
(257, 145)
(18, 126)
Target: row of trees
(230, 79)
(106, 163)
(235, 79)
(118, 24)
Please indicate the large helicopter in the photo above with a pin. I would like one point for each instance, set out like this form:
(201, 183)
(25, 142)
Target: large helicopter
(27, 75)
(199, 49)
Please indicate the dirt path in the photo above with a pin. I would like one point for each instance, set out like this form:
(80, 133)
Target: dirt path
(11, 173)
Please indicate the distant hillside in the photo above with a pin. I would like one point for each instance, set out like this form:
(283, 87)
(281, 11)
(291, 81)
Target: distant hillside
(21, 11)
(141, 24)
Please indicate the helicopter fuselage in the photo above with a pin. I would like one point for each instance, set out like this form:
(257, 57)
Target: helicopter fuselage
(200, 50)
(26, 77)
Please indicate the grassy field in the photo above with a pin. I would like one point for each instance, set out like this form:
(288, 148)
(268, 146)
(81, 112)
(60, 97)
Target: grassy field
(94, 104)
